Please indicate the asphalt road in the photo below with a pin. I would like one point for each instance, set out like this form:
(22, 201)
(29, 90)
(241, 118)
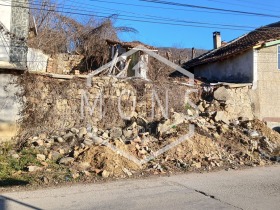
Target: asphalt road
(255, 188)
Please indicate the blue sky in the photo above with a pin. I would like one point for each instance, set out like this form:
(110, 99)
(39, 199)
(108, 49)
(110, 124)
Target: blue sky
(168, 35)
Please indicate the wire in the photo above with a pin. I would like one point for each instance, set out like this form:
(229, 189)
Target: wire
(170, 19)
(138, 5)
(242, 5)
(209, 8)
(227, 26)
(128, 19)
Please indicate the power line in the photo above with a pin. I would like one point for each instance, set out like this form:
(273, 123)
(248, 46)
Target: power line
(170, 19)
(228, 3)
(166, 8)
(159, 18)
(129, 19)
(209, 8)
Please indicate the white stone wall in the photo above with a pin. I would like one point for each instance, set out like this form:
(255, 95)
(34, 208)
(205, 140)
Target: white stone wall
(9, 108)
(5, 19)
(37, 60)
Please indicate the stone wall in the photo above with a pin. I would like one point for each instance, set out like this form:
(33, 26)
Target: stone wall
(5, 20)
(54, 104)
(237, 102)
(19, 27)
(63, 63)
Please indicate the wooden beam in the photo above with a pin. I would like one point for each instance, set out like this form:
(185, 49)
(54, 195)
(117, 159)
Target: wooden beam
(268, 44)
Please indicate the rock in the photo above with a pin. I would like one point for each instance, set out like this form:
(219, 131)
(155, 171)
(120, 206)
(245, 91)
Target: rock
(196, 164)
(53, 155)
(82, 132)
(83, 166)
(90, 135)
(68, 136)
(105, 174)
(127, 133)
(16, 156)
(60, 140)
(105, 135)
(253, 133)
(216, 135)
(43, 136)
(189, 112)
(66, 160)
(74, 130)
(94, 129)
(222, 94)
(221, 117)
(97, 140)
(41, 157)
(75, 175)
(34, 168)
(88, 142)
(178, 118)
(115, 132)
(254, 145)
(201, 108)
(45, 180)
(126, 171)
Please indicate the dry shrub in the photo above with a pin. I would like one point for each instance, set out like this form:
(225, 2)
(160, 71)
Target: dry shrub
(38, 97)
(57, 33)
(158, 71)
(175, 94)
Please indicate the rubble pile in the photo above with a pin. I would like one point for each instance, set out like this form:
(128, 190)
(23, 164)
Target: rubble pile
(226, 136)
(215, 144)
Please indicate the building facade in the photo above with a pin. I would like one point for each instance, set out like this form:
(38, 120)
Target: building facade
(14, 22)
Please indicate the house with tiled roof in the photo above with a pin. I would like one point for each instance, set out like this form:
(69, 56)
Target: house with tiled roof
(252, 58)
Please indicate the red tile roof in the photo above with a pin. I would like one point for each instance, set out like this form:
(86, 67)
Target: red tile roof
(237, 46)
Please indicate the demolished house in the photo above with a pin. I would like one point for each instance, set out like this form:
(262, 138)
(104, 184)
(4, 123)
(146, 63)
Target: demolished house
(252, 58)
(137, 64)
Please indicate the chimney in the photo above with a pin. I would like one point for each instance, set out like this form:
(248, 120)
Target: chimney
(217, 39)
(193, 53)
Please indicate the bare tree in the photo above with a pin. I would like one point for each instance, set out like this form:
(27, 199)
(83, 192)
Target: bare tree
(57, 33)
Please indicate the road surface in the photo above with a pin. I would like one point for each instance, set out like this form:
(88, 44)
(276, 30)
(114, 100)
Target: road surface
(255, 188)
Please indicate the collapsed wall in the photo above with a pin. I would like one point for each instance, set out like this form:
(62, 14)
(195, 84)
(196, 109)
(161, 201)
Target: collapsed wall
(54, 104)
(231, 102)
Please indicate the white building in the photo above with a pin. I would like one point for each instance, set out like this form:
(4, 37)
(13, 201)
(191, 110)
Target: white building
(13, 34)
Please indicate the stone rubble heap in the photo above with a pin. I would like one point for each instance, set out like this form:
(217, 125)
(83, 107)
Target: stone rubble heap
(217, 143)
(221, 139)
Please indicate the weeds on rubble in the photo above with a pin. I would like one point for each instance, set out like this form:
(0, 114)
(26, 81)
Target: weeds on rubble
(14, 170)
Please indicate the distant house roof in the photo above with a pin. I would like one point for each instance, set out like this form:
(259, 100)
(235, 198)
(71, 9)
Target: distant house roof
(259, 36)
(129, 45)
